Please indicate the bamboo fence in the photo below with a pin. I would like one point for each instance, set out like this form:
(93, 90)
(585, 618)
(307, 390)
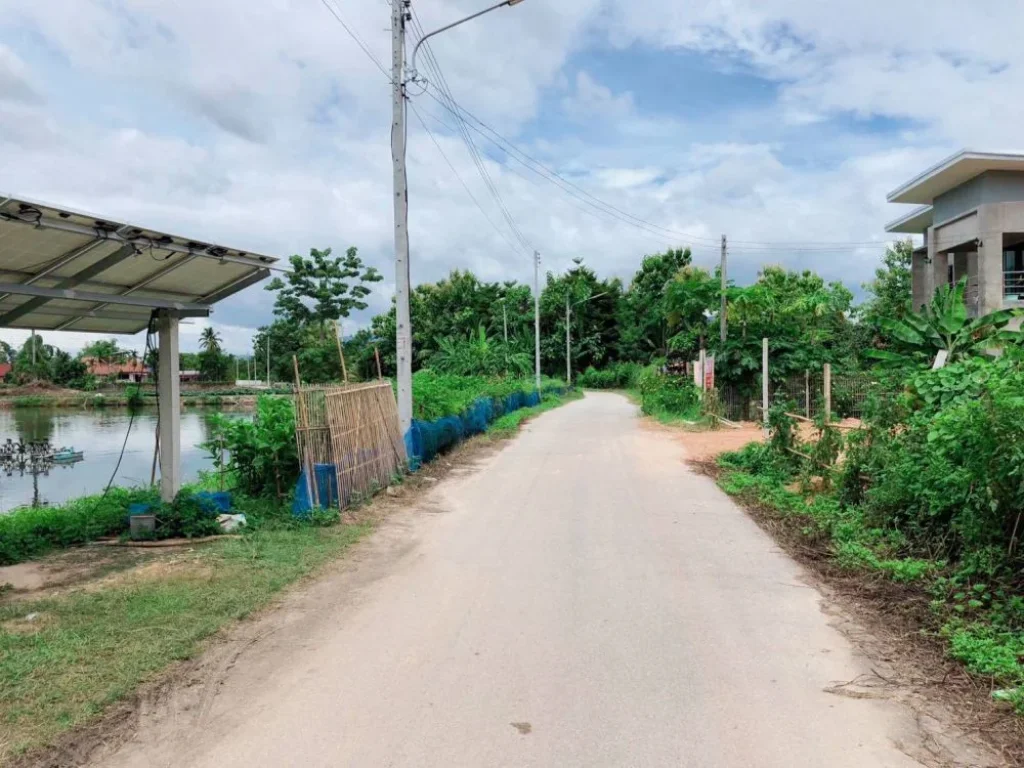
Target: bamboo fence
(356, 429)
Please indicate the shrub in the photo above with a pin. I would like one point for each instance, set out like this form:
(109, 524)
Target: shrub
(669, 395)
(621, 375)
(33, 531)
(261, 452)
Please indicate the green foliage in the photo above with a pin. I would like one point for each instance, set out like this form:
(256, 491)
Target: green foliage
(479, 356)
(261, 452)
(942, 325)
(890, 288)
(436, 395)
(689, 295)
(668, 395)
(621, 375)
(643, 311)
(31, 532)
(186, 518)
(321, 289)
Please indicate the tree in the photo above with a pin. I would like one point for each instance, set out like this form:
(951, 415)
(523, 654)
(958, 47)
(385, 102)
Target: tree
(209, 340)
(321, 289)
(643, 314)
(688, 298)
(890, 289)
(102, 350)
(941, 326)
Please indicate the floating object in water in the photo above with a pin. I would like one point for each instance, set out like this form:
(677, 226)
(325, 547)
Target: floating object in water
(66, 455)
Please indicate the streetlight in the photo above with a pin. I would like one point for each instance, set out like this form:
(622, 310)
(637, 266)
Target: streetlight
(568, 340)
(403, 321)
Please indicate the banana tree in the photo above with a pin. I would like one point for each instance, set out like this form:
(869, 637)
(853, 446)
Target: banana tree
(943, 325)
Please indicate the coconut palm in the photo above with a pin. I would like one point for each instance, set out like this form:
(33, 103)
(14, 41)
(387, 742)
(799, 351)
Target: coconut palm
(209, 340)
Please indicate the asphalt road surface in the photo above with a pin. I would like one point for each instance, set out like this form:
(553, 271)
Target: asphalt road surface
(580, 598)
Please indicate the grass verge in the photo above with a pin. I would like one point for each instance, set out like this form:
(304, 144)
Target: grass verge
(82, 651)
(508, 425)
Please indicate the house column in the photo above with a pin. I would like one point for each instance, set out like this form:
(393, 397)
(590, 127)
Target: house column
(990, 260)
(937, 270)
(169, 398)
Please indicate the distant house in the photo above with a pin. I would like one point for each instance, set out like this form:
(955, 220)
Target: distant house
(188, 376)
(5, 368)
(971, 215)
(128, 370)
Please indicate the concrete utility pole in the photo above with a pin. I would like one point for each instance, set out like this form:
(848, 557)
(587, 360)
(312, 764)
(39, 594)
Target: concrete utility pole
(722, 320)
(568, 343)
(403, 339)
(268, 356)
(536, 315)
(504, 320)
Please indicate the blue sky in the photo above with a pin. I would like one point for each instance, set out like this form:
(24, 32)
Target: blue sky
(265, 127)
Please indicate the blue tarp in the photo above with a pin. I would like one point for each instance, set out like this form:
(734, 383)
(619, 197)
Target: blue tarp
(423, 442)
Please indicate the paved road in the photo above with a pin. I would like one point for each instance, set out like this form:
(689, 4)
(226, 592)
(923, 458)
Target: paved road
(581, 599)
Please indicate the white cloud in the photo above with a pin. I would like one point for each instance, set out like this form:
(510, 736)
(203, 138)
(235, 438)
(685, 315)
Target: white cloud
(264, 126)
(591, 99)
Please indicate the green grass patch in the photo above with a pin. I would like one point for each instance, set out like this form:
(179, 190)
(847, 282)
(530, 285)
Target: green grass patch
(87, 650)
(508, 425)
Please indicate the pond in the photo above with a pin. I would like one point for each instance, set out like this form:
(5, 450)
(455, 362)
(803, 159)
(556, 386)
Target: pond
(99, 434)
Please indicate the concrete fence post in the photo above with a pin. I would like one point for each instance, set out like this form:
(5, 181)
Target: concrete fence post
(764, 384)
(828, 393)
(807, 393)
(703, 381)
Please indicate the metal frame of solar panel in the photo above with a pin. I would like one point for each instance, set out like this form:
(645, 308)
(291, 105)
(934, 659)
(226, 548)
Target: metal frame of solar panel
(64, 270)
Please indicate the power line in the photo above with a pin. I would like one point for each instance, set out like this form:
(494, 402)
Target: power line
(511, 150)
(442, 85)
(462, 181)
(330, 6)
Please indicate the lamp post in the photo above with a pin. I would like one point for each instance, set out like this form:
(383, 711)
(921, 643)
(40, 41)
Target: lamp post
(403, 332)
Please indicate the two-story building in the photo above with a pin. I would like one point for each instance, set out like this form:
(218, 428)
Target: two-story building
(971, 215)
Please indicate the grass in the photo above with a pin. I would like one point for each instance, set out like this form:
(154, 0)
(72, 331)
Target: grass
(89, 649)
(508, 425)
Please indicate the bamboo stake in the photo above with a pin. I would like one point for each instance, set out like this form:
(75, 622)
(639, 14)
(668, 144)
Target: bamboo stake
(341, 354)
(376, 354)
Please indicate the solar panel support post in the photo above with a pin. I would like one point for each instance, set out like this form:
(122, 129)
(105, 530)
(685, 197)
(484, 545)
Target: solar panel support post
(169, 397)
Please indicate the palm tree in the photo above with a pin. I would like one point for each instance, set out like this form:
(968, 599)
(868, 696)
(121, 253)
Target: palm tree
(209, 340)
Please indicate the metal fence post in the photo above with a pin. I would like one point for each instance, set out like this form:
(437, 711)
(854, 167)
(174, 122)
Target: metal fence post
(764, 384)
(828, 393)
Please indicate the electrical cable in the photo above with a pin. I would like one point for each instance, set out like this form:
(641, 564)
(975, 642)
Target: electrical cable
(337, 16)
(442, 84)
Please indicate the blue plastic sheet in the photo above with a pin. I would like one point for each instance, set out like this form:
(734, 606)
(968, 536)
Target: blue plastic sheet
(326, 490)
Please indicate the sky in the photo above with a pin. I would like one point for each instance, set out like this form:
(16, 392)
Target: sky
(266, 127)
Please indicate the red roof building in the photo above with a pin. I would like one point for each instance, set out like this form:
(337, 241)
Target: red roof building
(129, 370)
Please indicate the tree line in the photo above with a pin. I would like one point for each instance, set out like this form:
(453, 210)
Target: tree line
(668, 310)
(36, 360)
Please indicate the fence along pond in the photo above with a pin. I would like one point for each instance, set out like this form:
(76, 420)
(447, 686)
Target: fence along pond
(351, 434)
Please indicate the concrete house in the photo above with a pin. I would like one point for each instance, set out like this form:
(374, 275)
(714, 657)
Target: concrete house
(971, 215)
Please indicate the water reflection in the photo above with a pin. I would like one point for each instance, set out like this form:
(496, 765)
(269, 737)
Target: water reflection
(99, 434)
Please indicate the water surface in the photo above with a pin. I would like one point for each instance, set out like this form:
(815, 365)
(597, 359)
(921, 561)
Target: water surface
(99, 433)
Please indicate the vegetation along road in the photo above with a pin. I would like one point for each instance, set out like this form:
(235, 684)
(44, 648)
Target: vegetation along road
(578, 598)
